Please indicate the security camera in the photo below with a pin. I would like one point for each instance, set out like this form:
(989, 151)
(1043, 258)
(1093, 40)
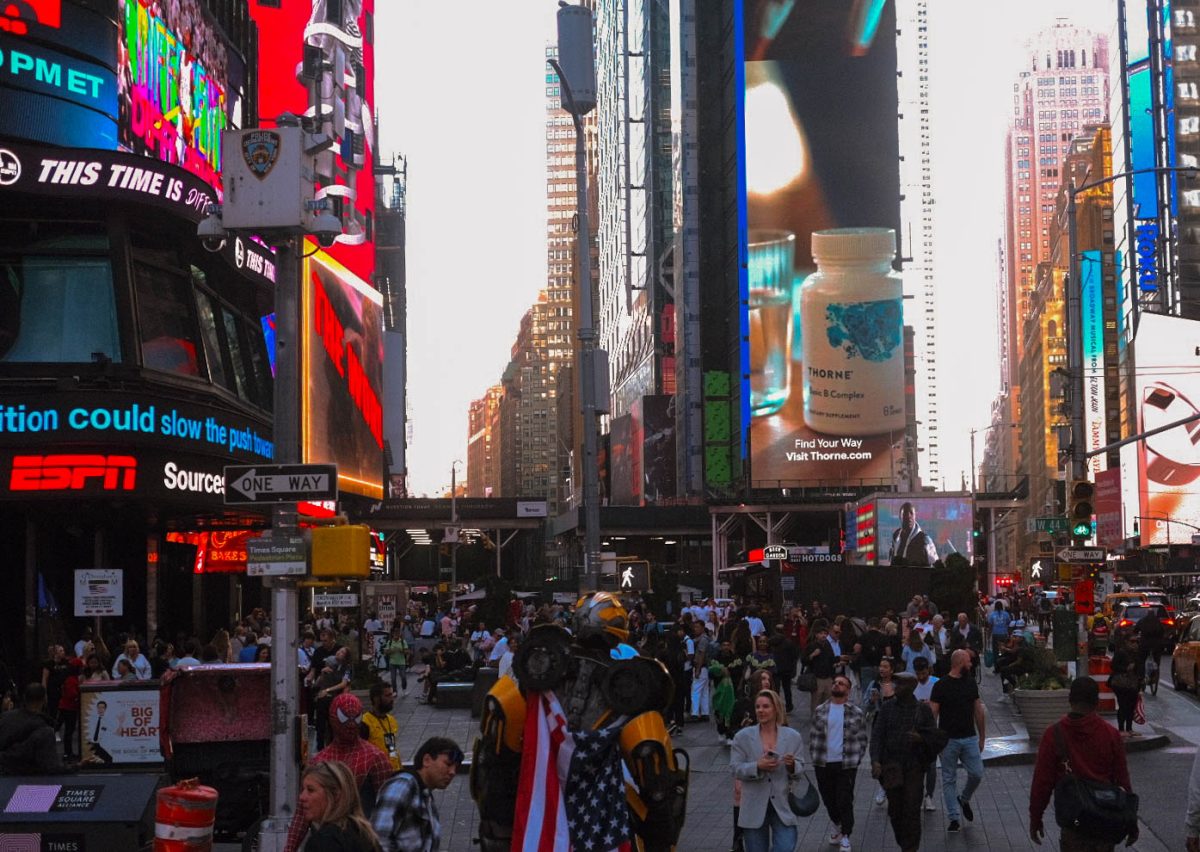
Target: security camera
(211, 231)
(326, 228)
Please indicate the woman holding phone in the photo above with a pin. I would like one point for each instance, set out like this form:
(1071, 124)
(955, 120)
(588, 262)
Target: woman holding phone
(765, 758)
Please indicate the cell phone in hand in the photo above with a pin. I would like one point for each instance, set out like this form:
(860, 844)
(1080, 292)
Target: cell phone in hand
(772, 755)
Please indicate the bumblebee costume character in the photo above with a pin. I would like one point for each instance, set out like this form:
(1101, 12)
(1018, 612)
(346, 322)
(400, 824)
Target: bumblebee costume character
(578, 738)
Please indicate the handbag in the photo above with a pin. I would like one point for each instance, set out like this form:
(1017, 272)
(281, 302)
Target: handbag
(806, 682)
(1123, 680)
(804, 805)
(1095, 809)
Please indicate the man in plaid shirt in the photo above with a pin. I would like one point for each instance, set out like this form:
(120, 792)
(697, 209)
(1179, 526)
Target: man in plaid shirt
(406, 817)
(369, 764)
(837, 742)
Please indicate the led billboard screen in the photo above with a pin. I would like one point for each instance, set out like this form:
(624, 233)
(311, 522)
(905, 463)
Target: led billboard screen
(1167, 358)
(819, 149)
(342, 364)
(1092, 307)
(917, 531)
(343, 35)
(181, 84)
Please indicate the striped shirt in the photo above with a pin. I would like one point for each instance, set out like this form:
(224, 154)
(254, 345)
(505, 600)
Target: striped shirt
(406, 818)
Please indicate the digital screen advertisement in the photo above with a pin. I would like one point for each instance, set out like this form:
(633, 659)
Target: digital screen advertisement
(181, 84)
(1092, 307)
(343, 33)
(1167, 355)
(342, 374)
(914, 531)
(819, 151)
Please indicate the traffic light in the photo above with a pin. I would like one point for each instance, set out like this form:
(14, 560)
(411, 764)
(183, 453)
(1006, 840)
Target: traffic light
(1081, 507)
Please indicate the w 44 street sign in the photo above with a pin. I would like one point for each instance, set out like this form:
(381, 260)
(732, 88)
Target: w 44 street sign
(1047, 525)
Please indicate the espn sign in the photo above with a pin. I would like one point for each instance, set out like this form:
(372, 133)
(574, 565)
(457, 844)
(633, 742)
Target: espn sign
(73, 472)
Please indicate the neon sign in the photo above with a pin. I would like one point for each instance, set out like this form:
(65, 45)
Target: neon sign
(16, 17)
(73, 472)
(177, 89)
(1146, 236)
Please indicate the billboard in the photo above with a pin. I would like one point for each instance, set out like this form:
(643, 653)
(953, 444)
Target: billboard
(626, 480)
(914, 531)
(118, 723)
(342, 374)
(818, 149)
(1109, 527)
(342, 34)
(181, 84)
(1092, 306)
(1167, 359)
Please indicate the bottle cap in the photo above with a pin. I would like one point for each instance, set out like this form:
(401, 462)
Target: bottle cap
(854, 244)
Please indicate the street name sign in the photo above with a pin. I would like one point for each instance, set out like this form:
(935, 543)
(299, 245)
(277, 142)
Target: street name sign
(1048, 525)
(1082, 554)
(277, 554)
(280, 483)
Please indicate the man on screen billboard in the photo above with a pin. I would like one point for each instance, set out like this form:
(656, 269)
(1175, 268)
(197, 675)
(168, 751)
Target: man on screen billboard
(820, 151)
(910, 544)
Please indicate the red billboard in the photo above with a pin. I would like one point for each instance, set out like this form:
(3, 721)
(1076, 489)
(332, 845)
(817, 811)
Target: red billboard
(342, 36)
(1109, 526)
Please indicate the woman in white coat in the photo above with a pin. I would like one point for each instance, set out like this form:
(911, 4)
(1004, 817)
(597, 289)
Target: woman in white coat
(765, 758)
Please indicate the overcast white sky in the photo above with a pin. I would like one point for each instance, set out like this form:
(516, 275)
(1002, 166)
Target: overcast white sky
(460, 89)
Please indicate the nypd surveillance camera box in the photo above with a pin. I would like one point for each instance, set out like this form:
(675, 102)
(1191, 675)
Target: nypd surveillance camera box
(265, 186)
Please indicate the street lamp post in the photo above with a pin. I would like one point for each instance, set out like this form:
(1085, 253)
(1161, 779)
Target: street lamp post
(576, 53)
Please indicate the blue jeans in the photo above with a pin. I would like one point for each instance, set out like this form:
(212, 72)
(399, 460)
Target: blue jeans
(771, 836)
(966, 750)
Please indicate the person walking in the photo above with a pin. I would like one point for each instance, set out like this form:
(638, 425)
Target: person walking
(837, 741)
(916, 648)
(871, 647)
(1093, 751)
(899, 756)
(922, 692)
(997, 622)
(787, 655)
(397, 652)
(27, 744)
(765, 757)
(378, 726)
(961, 715)
(1126, 682)
(821, 660)
(329, 801)
(406, 815)
(701, 695)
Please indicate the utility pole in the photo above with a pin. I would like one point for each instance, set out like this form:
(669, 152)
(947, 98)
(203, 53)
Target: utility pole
(454, 540)
(576, 70)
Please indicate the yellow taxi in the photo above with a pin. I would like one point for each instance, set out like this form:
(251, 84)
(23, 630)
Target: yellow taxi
(1111, 602)
(1185, 661)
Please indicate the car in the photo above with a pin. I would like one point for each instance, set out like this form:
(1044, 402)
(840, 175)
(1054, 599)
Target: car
(1185, 660)
(1128, 614)
(1111, 602)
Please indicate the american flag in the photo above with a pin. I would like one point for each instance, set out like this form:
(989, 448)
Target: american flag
(572, 792)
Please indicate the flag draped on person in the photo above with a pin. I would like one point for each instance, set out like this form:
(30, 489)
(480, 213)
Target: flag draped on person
(572, 792)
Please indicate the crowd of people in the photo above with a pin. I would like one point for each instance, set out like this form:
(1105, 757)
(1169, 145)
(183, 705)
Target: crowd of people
(897, 691)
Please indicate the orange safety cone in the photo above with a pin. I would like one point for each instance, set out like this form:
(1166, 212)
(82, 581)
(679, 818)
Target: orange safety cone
(184, 815)
(1099, 669)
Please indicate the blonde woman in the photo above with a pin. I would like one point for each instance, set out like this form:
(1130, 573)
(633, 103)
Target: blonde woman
(224, 646)
(765, 758)
(329, 801)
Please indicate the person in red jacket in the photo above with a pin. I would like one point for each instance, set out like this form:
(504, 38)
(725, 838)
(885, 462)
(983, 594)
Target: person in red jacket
(1095, 751)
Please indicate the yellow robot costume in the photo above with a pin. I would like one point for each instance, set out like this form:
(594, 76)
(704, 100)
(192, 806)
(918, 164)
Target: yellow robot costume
(583, 713)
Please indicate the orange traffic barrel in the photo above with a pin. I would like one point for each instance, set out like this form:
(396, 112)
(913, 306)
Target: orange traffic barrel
(1099, 669)
(184, 815)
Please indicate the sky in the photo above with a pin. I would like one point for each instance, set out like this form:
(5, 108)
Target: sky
(460, 89)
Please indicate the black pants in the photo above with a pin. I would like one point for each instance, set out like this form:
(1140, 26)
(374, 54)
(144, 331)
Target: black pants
(904, 808)
(785, 689)
(836, 783)
(1126, 702)
(69, 718)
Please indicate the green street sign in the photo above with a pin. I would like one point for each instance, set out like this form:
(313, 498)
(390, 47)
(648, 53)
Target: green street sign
(1050, 525)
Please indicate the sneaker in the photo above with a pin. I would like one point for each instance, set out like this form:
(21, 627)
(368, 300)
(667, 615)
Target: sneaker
(929, 803)
(880, 796)
(966, 809)
(835, 837)
(954, 826)
(845, 844)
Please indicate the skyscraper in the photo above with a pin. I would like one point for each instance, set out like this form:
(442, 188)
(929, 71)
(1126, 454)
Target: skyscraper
(1062, 87)
(917, 213)
(483, 444)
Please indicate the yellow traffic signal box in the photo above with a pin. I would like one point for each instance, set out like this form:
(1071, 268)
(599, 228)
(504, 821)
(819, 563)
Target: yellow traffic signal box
(343, 551)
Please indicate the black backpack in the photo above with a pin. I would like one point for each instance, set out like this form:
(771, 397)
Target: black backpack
(1095, 809)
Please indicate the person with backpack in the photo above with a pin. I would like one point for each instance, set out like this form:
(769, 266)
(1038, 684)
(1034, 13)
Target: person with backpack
(1082, 747)
(396, 652)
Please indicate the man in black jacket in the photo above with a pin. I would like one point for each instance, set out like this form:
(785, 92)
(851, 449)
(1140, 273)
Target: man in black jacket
(787, 655)
(27, 745)
(821, 659)
(897, 743)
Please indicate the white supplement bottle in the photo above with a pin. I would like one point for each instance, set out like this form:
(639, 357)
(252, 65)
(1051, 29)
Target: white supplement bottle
(852, 339)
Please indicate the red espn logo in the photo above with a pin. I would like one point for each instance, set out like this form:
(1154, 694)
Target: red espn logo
(17, 15)
(72, 472)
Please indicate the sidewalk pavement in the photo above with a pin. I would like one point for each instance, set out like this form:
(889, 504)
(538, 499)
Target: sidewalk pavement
(1001, 804)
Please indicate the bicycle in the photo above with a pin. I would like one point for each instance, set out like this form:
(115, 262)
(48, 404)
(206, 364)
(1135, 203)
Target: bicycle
(1152, 675)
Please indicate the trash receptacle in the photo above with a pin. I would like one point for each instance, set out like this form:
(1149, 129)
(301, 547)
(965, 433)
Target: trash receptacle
(485, 679)
(79, 811)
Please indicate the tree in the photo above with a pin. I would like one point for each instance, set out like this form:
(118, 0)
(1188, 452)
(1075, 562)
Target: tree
(952, 585)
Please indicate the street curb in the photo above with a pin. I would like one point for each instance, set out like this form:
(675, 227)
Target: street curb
(1029, 756)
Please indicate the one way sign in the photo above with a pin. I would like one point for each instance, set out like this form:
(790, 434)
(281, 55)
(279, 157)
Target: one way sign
(280, 483)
